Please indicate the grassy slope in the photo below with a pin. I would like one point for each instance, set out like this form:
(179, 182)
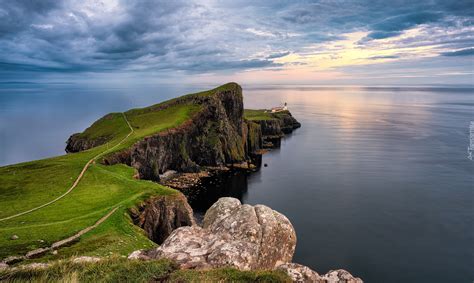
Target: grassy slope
(262, 114)
(122, 270)
(28, 185)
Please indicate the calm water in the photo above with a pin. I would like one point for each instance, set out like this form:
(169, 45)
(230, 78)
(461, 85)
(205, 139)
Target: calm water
(377, 181)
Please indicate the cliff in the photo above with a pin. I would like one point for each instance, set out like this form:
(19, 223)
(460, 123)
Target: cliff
(273, 126)
(215, 135)
(159, 216)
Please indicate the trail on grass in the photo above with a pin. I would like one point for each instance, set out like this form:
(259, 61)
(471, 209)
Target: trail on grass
(66, 241)
(78, 179)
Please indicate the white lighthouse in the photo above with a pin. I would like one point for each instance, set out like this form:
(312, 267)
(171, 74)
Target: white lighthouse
(279, 109)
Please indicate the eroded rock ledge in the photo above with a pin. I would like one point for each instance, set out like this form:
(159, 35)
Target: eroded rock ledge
(241, 236)
(160, 215)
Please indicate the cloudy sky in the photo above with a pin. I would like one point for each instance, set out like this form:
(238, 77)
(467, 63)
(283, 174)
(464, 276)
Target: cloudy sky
(315, 42)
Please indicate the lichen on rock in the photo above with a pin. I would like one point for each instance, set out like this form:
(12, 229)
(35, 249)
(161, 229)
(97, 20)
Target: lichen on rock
(241, 236)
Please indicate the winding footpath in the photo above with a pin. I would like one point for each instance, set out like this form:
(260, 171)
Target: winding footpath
(78, 179)
(56, 245)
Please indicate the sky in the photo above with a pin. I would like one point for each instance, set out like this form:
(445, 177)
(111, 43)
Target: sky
(366, 42)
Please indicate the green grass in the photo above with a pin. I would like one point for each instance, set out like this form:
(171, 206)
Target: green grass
(228, 275)
(101, 189)
(122, 270)
(108, 127)
(28, 185)
(263, 114)
(259, 114)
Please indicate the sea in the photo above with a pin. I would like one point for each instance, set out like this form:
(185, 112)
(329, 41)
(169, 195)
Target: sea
(377, 181)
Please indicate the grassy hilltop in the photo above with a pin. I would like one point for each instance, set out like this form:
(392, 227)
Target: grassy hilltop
(102, 188)
(263, 114)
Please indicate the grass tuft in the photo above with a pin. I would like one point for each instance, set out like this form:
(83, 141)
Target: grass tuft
(118, 269)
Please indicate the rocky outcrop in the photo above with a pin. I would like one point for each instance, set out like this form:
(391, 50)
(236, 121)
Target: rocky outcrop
(161, 215)
(79, 142)
(253, 138)
(213, 137)
(288, 122)
(216, 136)
(340, 275)
(301, 273)
(242, 236)
(274, 129)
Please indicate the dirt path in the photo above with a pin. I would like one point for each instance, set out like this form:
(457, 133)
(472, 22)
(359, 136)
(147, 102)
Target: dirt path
(41, 251)
(78, 179)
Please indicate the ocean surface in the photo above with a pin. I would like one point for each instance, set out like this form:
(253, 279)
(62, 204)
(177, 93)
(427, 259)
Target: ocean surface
(377, 181)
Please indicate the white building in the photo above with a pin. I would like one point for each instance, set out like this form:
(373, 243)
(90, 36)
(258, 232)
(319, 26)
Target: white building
(280, 109)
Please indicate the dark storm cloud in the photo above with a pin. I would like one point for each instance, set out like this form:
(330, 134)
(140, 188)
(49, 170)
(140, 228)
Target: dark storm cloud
(124, 35)
(278, 55)
(395, 25)
(16, 16)
(383, 18)
(462, 52)
(383, 57)
(231, 65)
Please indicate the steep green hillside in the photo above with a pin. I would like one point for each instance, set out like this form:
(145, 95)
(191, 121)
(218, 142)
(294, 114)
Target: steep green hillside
(123, 270)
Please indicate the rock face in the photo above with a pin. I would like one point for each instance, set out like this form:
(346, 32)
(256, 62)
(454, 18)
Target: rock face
(301, 273)
(274, 129)
(253, 138)
(159, 216)
(216, 135)
(212, 138)
(76, 143)
(340, 275)
(242, 236)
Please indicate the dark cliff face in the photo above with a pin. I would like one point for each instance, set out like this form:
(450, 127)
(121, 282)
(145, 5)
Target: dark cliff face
(272, 130)
(252, 136)
(215, 136)
(76, 143)
(288, 123)
(159, 216)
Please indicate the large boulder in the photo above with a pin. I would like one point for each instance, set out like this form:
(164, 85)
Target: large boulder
(340, 276)
(301, 273)
(241, 236)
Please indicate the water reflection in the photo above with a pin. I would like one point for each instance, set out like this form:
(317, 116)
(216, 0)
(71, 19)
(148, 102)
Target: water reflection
(377, 181)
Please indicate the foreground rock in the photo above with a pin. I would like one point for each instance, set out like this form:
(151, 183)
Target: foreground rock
(301, 273)
(241, 236)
